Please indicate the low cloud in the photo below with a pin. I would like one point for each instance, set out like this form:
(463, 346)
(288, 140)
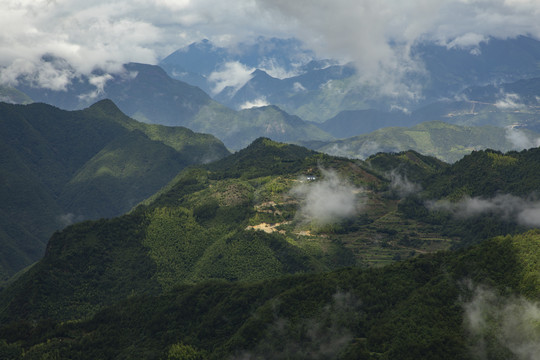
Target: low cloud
(501, 324)
(510, 102)
(365, 150)
(507, 207)
(232, 74)
(322, 336)
(255, 103)
(298, 87)
(328, 200)
(401, 185)
(99, 82)
(520, 140)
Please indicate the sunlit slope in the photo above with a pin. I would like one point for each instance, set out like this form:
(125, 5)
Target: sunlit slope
(445, 141)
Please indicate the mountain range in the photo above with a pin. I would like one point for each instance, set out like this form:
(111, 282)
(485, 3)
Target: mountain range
(280, 249)
(59, 167)
(492, 84)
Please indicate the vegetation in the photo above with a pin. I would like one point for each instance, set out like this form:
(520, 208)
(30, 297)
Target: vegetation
(444, 141)
(410, 310)
(59, 167)
(223, 262)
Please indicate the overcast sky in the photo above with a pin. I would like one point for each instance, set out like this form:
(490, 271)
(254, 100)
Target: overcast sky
(105, 34)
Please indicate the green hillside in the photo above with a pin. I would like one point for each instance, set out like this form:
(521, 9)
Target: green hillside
(447, 142)
(58, 167)
(146, 93)
(280, 250)
(446, 306)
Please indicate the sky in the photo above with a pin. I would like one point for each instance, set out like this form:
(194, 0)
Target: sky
(375, 34)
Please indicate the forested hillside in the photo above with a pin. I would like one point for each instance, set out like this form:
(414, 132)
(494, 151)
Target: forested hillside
(280, 250)
(59, 167)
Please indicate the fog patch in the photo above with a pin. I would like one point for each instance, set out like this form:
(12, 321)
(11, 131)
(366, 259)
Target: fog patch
(362, 152)
(260, 102)
(326, 201)
(298, 87)
(508, 207)
(510, 102)
(520, 140)
(322, 336)
(502, 325)
(401, 185)
(273, 68)
(99, 81)
(232, 74)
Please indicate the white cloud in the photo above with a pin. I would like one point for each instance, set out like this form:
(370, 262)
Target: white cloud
(510, 102)
(401, 185)
(232, 74)
(520, 140)
(376, 34)
(255, 103)
(506, 206)
(298, 87)
(328, 200)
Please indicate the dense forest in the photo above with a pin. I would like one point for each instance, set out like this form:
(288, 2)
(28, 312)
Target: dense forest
(251, 257)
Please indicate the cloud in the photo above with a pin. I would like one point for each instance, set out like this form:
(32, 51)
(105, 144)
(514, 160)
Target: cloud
(328, 200)
(99, 81)
(508, 207)
(498, 324)
(520, 140)
(401, 185)
(255, 103)
(377, 35)
(298, 87)
(232, 74)
(322, 336)
(510, 102)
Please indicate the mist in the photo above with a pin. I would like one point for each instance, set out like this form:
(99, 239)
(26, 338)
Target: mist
(401, 185)
(520, 140)
(328, 200)
(499, 324)
(508, 207)
(232, 74)
(322, 336)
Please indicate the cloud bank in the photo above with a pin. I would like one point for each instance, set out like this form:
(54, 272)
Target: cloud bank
(376, 35)
(520, 140)
(508, 207)
(326, 201)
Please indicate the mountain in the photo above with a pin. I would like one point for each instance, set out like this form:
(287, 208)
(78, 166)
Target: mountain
(146, 93)
(445, 306)
(234, 259)
(320, 89)
(445, 141)
(11, 95)
(195, 63)
(62, 166)
(355, 122)
(453, 69)
(268, 210)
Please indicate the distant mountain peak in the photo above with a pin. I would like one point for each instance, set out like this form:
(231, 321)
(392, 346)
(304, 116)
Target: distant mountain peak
(105, 106)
